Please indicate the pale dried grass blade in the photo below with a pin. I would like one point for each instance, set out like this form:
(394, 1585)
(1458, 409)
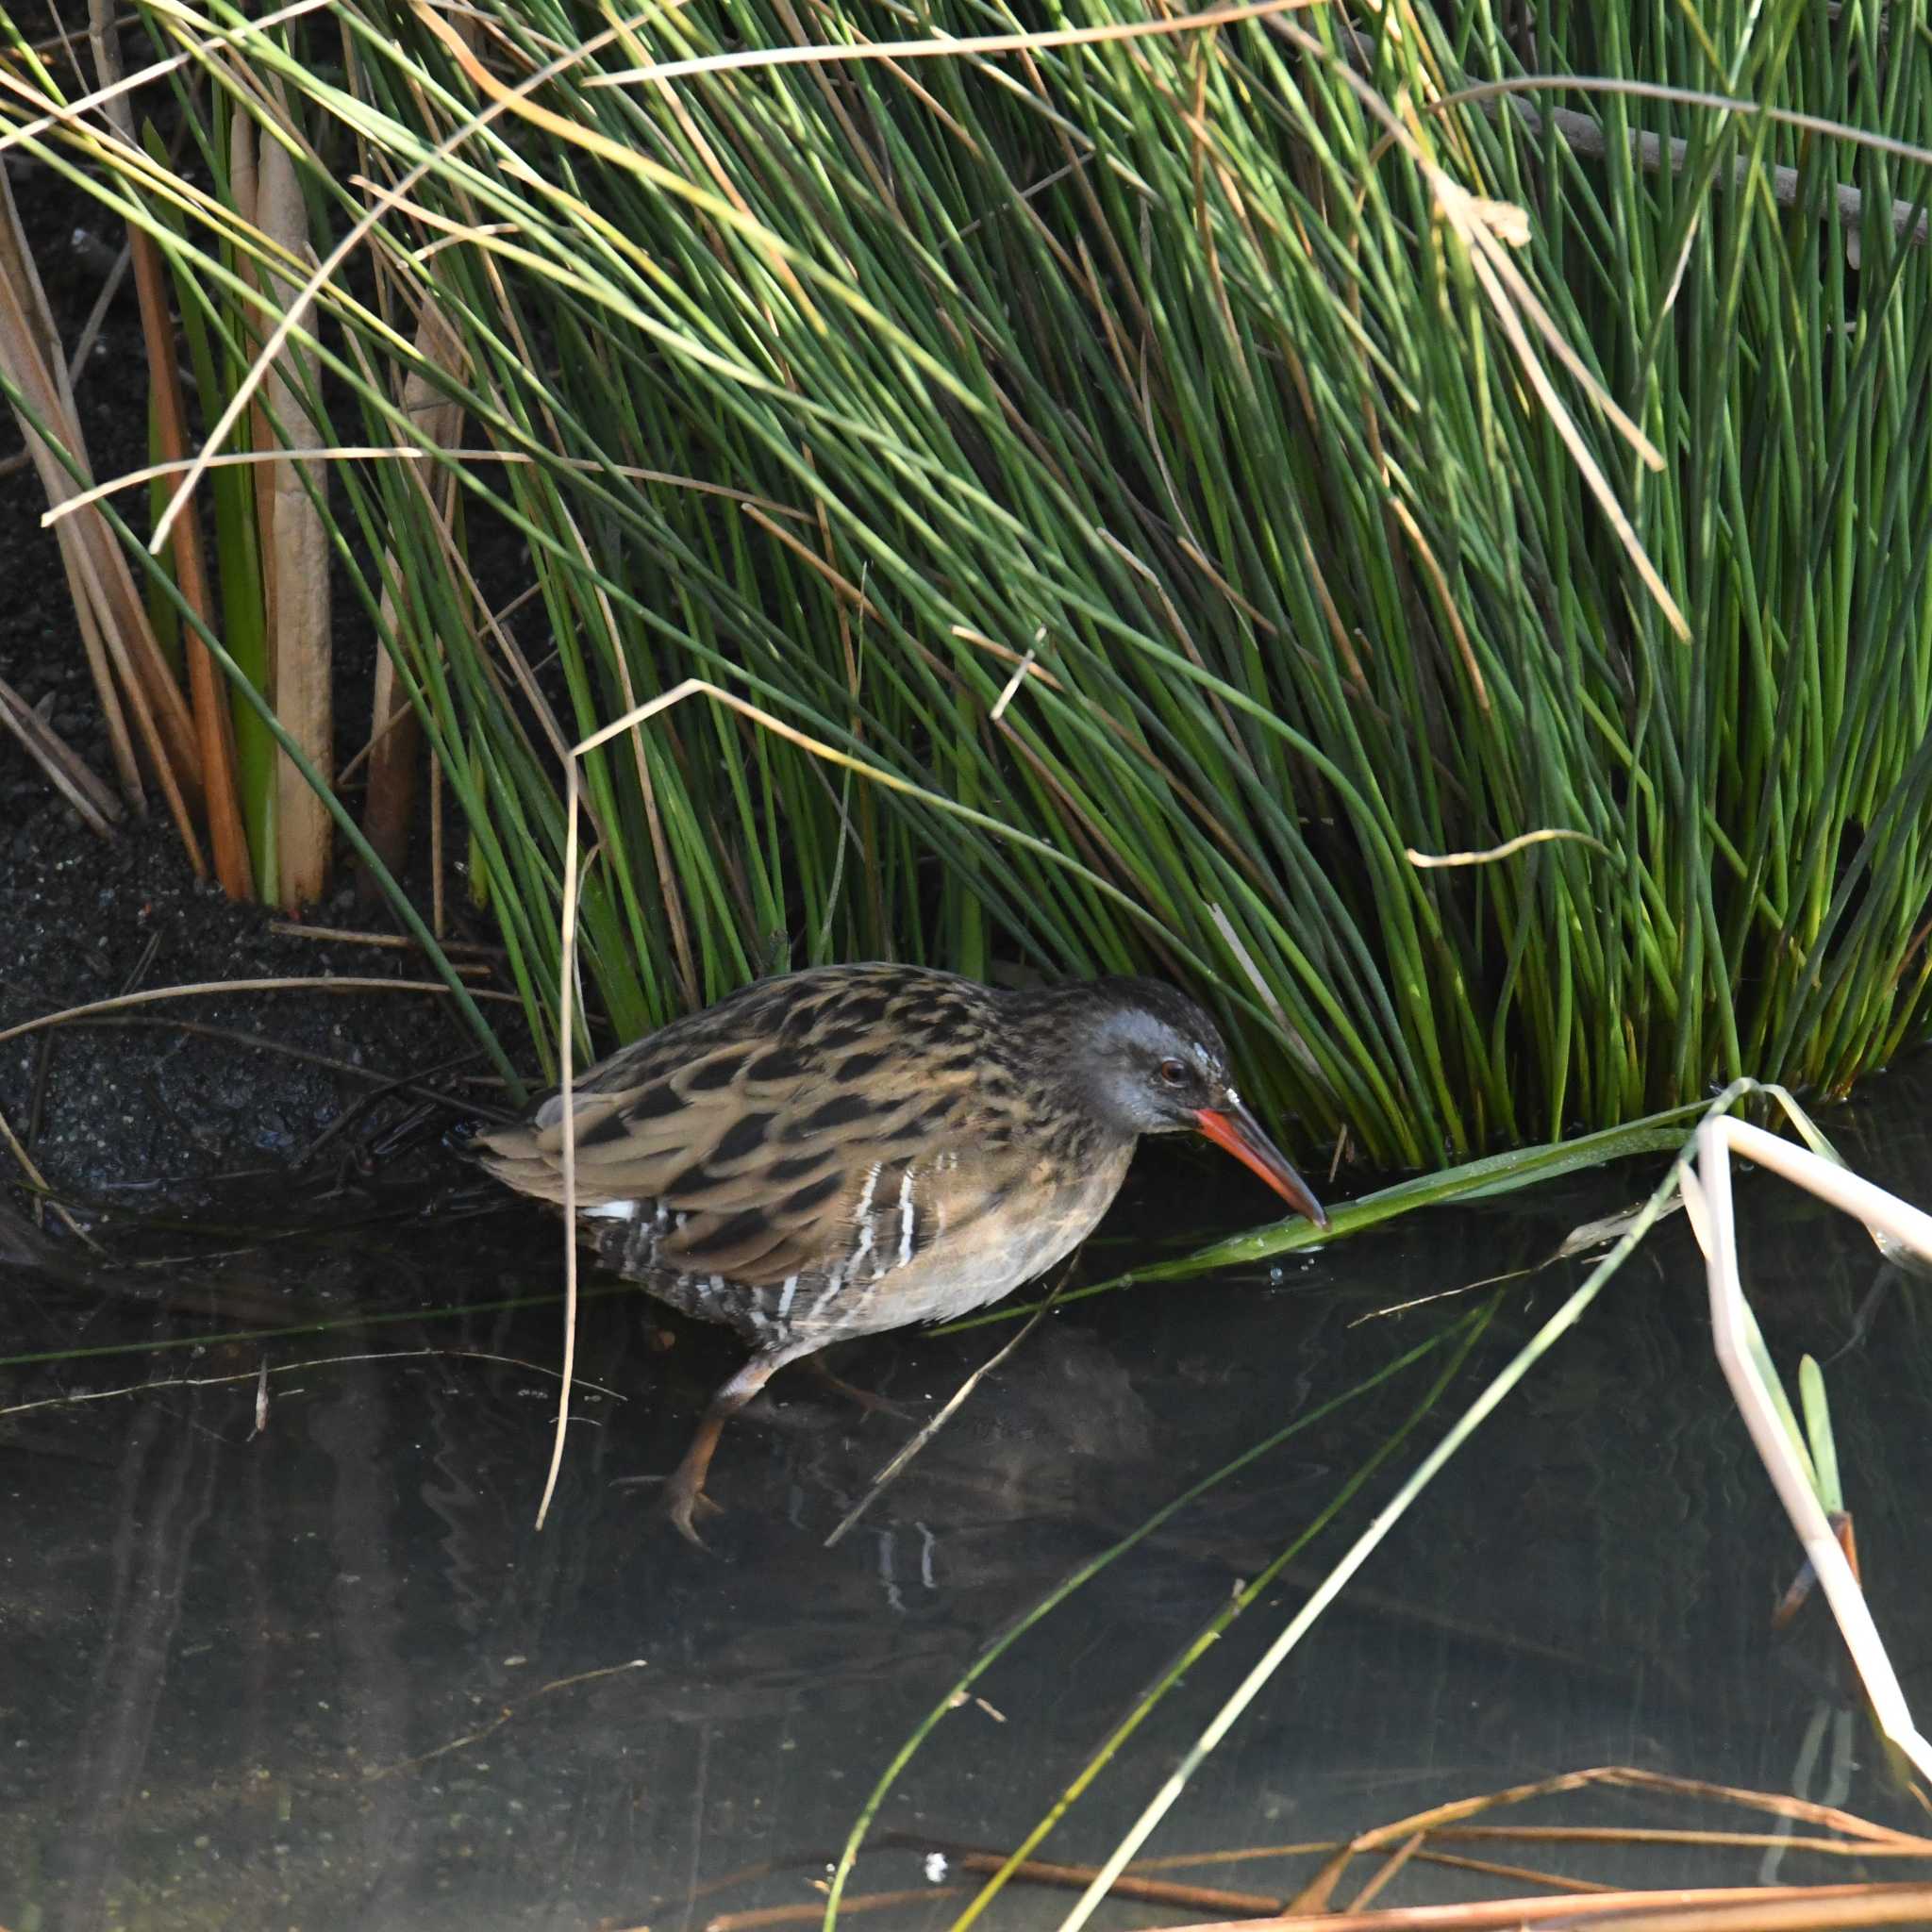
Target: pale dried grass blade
(1707, 1198)
(299, 544)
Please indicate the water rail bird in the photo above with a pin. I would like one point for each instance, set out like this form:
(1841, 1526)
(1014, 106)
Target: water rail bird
(849, 1149)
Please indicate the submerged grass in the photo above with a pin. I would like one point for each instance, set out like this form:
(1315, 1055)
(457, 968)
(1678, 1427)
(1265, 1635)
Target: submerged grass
(1783, 1448)
(1208, 466)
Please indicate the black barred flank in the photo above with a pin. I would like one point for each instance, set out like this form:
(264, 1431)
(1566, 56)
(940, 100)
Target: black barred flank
(740, 1230)
(842, 1112)
(778, 1064)
(816, 1196)
(690, 1183)
(613, 1126)
(842, 1039)
(797, 1167)
(654, 1102)
(745, 1135)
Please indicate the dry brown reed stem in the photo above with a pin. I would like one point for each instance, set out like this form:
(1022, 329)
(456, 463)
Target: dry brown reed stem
(1712, 1909)
(396, 734)
(298, 541)
(1777, 1804)
(1529, 1875)
(350, 935)
(1689, 1908)
(1628, 1778)
(811, 1910)
(1205, 1898)
(122, 655)
(214, 735)
(1559, 1899)
(1859, 1837)
(1666, 1835)
(84, 342)
(342, 935)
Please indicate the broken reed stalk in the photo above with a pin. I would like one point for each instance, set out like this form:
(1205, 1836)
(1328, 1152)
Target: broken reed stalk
(69, 773)
(213, 733)
(297, 541)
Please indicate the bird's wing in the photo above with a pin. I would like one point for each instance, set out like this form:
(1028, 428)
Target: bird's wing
(770, 1139)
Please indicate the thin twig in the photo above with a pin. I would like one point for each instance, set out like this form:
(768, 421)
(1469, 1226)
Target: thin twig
(207, 989)
(893, 1470)
(39, 1181)
(509, 1711)
(350, 935)
(74, 1398)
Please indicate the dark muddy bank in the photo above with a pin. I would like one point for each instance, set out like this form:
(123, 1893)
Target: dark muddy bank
(236, 1092)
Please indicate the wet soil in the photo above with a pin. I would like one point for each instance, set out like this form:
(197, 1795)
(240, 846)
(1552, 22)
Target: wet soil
(220, 1087)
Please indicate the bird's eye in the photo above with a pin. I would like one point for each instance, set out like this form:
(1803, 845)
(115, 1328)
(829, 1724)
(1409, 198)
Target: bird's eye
(1174, 1072)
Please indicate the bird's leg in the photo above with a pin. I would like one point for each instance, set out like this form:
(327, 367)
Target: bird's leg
(684, 1496)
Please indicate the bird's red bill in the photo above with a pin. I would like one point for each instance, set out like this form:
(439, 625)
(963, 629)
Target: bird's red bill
(1236, 1129)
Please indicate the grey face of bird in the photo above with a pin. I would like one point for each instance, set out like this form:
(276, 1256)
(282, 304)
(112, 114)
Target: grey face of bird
(1147, 1073)
(1167, 1072)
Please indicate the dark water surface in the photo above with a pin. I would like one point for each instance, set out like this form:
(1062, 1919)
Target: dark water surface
(260, 1679)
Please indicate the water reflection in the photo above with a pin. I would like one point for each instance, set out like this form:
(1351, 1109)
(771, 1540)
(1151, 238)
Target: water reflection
(328, 1674)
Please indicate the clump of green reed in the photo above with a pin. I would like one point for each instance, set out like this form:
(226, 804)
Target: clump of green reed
(1232, 454)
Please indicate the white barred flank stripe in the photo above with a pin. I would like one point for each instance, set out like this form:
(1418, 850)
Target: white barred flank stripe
(908, 1217)
(862, 1214)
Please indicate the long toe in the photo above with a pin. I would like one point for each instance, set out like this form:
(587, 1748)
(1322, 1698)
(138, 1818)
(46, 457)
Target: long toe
(867, 1400)
(684, 1503)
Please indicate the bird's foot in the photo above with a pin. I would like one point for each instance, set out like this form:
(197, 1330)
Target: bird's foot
(683, 1504)
(866, 1399)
